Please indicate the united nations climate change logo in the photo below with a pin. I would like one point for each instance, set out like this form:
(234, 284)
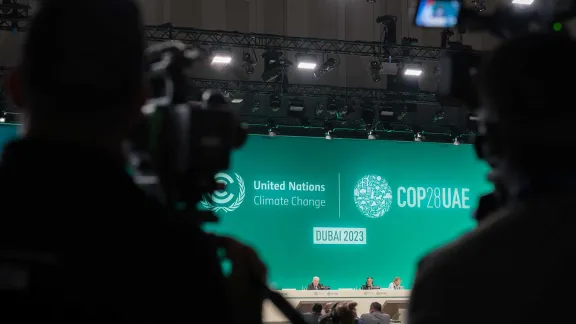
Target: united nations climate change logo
(373, 196)
(224, 200)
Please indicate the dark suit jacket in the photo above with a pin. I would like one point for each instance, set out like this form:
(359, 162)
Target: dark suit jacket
(119, 255)
(311, 318)
(311, 287)
(498, 268)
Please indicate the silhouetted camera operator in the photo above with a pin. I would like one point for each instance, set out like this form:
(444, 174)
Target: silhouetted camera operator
(79, 242)
(522, 253)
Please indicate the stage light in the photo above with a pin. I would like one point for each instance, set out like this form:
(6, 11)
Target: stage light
(275, 102)
(306, 62)
(375, 67)
(344, 111)
(326, 67)
(332, 107)
(523, 2)
(275, 67)
(234, 98)
(248, 63)
(439, 115)
(255, 106)
(221, 59)
(297, 109)
(328, 130)
(419, 137)
(272, 128)
(306, 65)
(412, 72)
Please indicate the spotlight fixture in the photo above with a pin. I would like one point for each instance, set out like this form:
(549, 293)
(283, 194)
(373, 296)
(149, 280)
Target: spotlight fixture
(272, 128)
(255, 106)
(234, 98)
(306, 62)
(326, 67)
(328, 130)
(412, 70)
(221, 58)
(344, 111)
(296, 108)
(523, 2)
(375, 67)
(320, 108)
(332, 107)
(248, 63)
(275, 102)
(275, 67)
(419, 137)
(439, 115)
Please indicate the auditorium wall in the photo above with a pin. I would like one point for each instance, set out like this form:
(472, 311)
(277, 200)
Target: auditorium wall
(344, 210)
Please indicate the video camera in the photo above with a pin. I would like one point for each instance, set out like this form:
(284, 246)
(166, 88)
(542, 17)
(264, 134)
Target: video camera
(182, 144)
(458, 69)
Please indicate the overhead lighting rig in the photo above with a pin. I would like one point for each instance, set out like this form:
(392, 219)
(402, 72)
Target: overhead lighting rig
(13, 15)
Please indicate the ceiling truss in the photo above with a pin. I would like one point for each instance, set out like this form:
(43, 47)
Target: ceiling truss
(15, 17)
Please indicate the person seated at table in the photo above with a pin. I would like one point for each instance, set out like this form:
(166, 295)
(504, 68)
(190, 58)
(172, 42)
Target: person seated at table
(369, 284)
(396, 284)
(315, 285)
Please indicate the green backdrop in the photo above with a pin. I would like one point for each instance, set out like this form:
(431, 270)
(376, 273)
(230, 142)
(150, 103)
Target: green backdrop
(344, 209)
(7, 132)
(416, 197)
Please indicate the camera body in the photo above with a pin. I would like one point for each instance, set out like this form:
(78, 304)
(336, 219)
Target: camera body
(181, 143)
(459, 68)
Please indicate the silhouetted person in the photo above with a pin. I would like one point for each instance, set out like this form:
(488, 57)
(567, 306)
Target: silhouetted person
(106, 252)
(313, 316)
(524, 134)
(490, 203)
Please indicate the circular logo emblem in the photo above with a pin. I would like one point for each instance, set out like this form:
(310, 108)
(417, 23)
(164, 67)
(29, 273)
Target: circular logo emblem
(373, 196)
(223, 200)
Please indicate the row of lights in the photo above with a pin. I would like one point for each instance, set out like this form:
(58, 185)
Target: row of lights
(275, 65)
(371, 135)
